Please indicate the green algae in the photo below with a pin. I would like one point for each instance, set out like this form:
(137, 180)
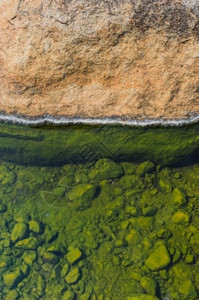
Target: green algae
(120, 225)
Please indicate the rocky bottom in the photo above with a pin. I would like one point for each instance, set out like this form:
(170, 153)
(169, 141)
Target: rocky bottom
(99, 231)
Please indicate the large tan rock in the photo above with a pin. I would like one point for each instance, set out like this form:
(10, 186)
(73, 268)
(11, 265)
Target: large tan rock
(96, 58)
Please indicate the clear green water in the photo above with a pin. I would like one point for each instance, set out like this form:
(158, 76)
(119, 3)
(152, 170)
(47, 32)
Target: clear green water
(99, 213)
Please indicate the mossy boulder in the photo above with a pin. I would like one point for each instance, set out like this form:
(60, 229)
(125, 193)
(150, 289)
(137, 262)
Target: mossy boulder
(194, 241)
(82, 195)
(181, 217)
(145, 167)
(179, 197)
(51, 258)
(159, 258)
(41, 285)
(11, 279)
(73, 276)
(183, 282)
(68, 295)
(31, 243)
(35, 226)
(5, 262)
(12, 295)
(64, 270)
(19, 232)
(130, 181)
(149, 210)
(6, 176)
(73, 255)
(165, 185)
(187, 289)
(149, 285)
(106, 168)
(29, 257)
(21, 217)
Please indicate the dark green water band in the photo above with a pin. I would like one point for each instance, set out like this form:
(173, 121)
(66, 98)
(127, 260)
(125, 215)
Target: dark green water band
(50, 145)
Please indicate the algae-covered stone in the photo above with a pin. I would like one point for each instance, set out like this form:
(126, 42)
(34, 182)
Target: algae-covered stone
(5, 262)
(159, 258)
(187, 289)
(64, 270)
(142, 297)
(179, 197)
(21, 217)
(194, 241)
(149, 210)
(165, 185)
(145, 167)
(74, 255)
(132, 237)
(31, 243)
(106, 168)
(68, 295)
(29, 257)
(149, 285)
(19, 232)
(35, 226)
(85, 296)
(50, 258)
(25, 269)
(130, 181)
(183, 283)
(73, 276)
(6, 176)
(81, 195)
(12, 295)
(11, 279)
(41, 285)
(189, 259)
(131, 210)
(181, 217)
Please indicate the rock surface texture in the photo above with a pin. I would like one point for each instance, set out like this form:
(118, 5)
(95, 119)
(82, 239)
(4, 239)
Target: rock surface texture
(96, 58)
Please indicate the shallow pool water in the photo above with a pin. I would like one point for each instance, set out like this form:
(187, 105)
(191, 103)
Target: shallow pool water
(99, 213)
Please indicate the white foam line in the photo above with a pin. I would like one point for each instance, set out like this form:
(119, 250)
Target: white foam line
(49, 119)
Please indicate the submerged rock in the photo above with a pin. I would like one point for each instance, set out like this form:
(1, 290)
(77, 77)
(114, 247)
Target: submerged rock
(159, 258)
(29, 257)
(5, 262)
(12, 295)
(145, 167)
(82, 195)
(68, 295)
(149, 285)
(194, 241)
(19, 232)
(73, 276)
(181, 217)
(35, 226)
(73, 255)
(106, 169)
(11, 279)
(179, 197)
(30, 243)
(183, 282)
